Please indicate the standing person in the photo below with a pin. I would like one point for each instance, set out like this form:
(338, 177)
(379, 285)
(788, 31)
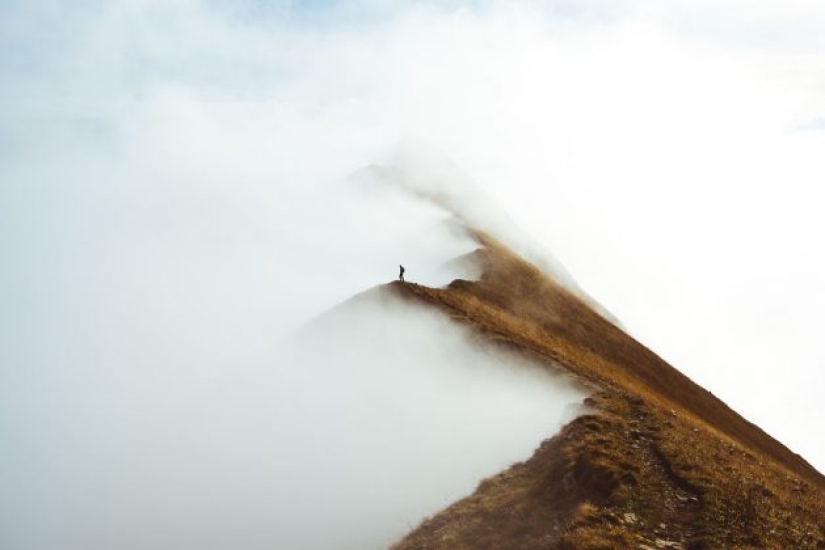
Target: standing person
(401, 273)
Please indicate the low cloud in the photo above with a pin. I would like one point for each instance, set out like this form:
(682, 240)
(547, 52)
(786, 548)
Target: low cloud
(191, 425)
(160, 260)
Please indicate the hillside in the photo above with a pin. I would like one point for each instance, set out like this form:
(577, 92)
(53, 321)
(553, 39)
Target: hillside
(658, 462)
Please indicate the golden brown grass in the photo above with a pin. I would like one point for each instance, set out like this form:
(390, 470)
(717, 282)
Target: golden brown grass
(661, 462)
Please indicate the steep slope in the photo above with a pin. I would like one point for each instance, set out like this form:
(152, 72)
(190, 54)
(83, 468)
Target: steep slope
(659, 463)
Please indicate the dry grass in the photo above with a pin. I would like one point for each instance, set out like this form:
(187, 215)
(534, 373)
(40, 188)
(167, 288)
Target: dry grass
(661, 463)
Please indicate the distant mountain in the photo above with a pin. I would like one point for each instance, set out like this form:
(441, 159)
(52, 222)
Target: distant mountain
(658, 462)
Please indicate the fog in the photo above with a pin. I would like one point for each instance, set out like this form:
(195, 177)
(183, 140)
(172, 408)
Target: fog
(178, 196)
(177, 372)
(168, 381)
(344, 434)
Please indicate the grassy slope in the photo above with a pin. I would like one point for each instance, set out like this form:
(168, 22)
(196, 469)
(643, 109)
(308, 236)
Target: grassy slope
(660, 462)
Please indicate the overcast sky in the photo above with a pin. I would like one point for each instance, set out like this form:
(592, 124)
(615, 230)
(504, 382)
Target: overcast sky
(172, 165)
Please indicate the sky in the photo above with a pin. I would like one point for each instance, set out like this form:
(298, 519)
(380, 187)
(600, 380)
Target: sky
(177, 191)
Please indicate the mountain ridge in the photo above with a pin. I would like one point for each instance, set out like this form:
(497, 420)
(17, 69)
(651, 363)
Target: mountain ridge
(659, 462)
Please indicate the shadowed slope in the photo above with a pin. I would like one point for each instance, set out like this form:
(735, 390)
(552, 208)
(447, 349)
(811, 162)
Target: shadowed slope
(661, 462)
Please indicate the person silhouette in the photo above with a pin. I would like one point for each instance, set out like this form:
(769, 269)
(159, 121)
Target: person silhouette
(401, 273)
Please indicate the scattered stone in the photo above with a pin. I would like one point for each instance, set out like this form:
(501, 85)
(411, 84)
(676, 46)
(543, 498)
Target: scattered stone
(630, 517)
